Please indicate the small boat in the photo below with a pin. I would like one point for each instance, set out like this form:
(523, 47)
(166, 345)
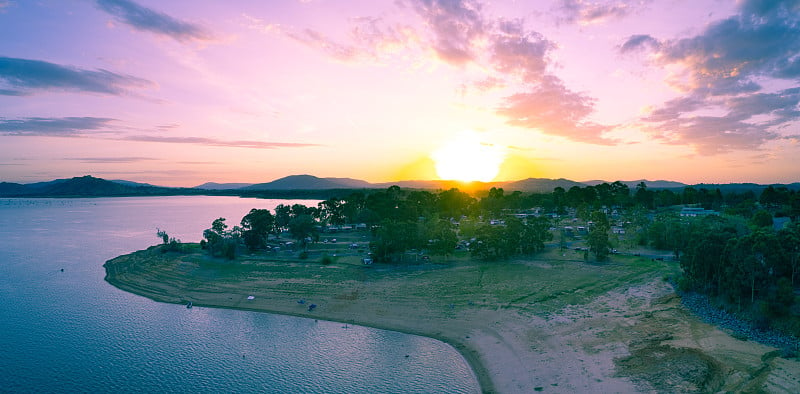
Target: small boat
(189, 305)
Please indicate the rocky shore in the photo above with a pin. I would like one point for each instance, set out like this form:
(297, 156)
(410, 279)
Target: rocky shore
(700, 305)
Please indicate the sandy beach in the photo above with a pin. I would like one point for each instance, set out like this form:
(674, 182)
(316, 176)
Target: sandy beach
(552, 324)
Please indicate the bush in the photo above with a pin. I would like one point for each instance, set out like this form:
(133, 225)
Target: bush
(303, 255)
(326, 260)
(684, 284)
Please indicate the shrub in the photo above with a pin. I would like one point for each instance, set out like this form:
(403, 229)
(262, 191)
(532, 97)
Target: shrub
(326, 260)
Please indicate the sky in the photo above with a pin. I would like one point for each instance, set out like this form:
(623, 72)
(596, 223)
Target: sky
(178, 93)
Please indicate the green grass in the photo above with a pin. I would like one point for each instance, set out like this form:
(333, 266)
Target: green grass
(539, 284)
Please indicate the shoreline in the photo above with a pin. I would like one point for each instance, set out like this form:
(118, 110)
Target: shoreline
(480, 372)
(522, 326)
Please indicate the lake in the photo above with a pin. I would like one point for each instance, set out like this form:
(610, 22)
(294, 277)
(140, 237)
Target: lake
(70, 331)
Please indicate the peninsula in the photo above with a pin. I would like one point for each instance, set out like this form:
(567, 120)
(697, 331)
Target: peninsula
(552, 323)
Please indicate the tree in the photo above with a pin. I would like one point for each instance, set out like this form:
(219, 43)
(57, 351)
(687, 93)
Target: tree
(454, 203)
(163, 236)
(535, 232)
(516, 237)
(490, 243)
(441, 236)
(761, 218)
(598, 236)
(170, 244)
(331, 211)
(301, 227)
(560, 199)
(220, 241)
(790, 240)
(644, 197)
(394, 238)
(256, 227)
(283, 214)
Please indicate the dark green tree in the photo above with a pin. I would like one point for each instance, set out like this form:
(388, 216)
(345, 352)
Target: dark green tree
(257, 225)
(302, 227)
(283, 214)
(332, 211)
(220, 241)
(761, 218)
(598, 236)
(441, 236)
(393, 238)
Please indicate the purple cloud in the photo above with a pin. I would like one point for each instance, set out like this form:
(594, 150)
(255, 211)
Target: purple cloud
(587, 12)
(22, 76)
(69, 126)
(459, 33)
(145, 19)
(726, 66)
(513, 51)
(217, 142)
(456, 25)
(639, 42)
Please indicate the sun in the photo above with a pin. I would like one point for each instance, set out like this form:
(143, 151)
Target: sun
(467, 159)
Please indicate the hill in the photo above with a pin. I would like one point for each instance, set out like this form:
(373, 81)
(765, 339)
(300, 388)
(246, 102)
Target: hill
(310, 182)
(650, 184)
(309, 186)
(222, 186)
(12, 189)
(85, 186)
(541, 185)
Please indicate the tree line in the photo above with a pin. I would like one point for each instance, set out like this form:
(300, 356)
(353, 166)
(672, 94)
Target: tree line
(404, 219)
(743, 263)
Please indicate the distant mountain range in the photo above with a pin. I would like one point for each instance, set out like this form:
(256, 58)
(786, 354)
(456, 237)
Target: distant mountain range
(222, 186)
(650, 184)
(310, 182)
(309, 186)
(85, 186)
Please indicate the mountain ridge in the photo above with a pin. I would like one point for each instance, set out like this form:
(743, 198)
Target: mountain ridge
(90, 186)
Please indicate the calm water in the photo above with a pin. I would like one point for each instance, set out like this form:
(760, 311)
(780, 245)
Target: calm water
(70, 331)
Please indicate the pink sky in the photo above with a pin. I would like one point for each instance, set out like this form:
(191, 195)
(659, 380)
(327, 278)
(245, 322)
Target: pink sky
(183, 92)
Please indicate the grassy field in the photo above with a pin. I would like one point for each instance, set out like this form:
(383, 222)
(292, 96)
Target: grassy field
(540, 286)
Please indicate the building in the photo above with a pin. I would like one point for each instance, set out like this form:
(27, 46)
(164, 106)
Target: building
(694, 212)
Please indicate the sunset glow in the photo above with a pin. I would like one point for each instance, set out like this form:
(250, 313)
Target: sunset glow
(468, 159)
(183, 92)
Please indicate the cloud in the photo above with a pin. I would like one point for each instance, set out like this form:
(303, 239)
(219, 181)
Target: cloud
(22, 76)
(316, 40)
(516, 60)
(725, 105)
(456, 25)
(3, 5)
(553, 109)
(86, 126)
(109, 160)
(514, 51)
(69, 126)
(146, 19)
(639, 42)
(588, 13)
(372, 39)
(216, 142)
